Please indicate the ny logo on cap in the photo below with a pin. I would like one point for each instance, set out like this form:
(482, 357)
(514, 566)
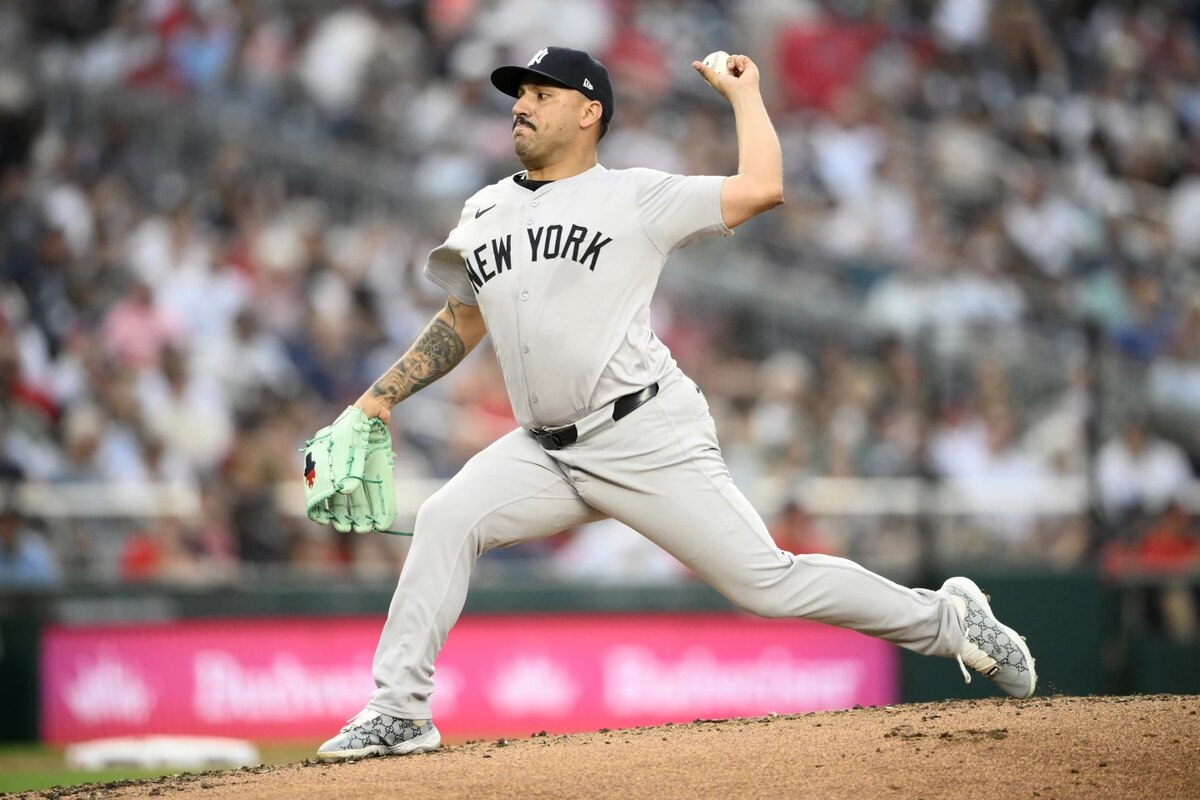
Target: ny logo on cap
(588, 84)
(538, 56)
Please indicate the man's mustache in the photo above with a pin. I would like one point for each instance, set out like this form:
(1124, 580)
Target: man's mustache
(522, 121)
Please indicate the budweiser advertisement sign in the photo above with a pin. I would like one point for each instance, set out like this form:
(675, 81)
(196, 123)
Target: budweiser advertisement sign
(298, 679)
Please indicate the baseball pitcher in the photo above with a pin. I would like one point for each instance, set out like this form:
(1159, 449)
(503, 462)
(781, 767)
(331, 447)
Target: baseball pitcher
(559, 263)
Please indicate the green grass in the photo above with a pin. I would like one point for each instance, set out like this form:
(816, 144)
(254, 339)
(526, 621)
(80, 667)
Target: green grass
(27, 767)
(24, 781)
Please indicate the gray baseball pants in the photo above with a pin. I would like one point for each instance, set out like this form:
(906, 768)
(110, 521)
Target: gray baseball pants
(660, 471)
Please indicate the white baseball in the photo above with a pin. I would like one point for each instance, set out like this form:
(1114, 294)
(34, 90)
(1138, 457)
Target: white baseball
(718, 62)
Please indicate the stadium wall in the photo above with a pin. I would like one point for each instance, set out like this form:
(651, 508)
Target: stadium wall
(1073, 621)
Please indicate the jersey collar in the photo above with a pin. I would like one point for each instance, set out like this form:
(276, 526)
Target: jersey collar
(591, 172)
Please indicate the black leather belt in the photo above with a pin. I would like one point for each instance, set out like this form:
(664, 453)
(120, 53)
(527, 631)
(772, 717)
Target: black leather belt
(559, 438)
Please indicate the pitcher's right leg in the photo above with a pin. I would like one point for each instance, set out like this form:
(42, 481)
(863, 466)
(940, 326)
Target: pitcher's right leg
(509, 492)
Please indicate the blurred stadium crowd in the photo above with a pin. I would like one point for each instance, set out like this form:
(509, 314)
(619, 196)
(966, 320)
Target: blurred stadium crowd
(988, 170)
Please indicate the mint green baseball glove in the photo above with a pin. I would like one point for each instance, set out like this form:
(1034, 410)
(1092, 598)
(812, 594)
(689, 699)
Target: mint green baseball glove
(348, 478)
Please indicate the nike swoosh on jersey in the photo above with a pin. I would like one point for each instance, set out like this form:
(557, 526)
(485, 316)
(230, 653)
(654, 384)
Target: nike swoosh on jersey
(483, 211)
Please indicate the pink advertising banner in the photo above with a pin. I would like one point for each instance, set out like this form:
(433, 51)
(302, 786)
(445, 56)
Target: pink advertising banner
(298, 679)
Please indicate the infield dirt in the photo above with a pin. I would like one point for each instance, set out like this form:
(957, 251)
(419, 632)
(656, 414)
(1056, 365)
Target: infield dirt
(1057, 747)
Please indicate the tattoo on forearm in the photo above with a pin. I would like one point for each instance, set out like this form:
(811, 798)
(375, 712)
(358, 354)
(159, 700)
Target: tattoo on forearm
(437, 350)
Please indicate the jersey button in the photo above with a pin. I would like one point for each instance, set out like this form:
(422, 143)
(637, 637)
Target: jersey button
(524, 295)
(529, 222)
(533, 399)
(525, 349)
(534, 204)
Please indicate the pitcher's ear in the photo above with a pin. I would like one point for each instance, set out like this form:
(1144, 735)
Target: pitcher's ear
(593, 111)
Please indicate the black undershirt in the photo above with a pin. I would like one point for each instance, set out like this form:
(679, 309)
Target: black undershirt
(532, 186)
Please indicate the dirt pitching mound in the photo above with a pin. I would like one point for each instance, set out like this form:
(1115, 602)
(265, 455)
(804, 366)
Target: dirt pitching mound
(1060, 747)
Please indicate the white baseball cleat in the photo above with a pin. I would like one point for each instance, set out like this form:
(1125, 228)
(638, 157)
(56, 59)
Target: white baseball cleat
(991, 648)
(370, 733)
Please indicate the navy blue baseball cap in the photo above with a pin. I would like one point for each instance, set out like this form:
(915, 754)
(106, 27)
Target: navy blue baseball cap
(573, 69)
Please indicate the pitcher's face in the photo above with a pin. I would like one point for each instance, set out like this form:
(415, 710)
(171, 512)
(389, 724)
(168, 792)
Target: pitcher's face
(545, 121)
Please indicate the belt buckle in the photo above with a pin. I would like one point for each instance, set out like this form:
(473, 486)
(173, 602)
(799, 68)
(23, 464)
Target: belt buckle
(556, 439)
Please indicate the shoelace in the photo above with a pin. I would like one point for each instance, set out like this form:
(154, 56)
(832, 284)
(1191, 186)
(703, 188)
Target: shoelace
(978, 660)
(363, 716)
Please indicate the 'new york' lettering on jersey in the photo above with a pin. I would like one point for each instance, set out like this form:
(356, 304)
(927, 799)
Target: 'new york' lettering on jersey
(564, 276)
(545, 243)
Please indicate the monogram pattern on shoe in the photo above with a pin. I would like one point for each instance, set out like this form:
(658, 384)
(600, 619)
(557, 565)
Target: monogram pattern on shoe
(990, 648)
(381, 729)
(985, 633)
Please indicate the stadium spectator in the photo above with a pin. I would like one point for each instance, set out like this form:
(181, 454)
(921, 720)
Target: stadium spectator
(26, 560)
(176, 550)
(136, 330)
(795, 531)
(185, 411)
(246, 361)
(1165, 559)
(1139, 474)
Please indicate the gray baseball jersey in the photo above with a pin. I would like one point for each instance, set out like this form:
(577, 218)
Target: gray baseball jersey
(564, 275)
